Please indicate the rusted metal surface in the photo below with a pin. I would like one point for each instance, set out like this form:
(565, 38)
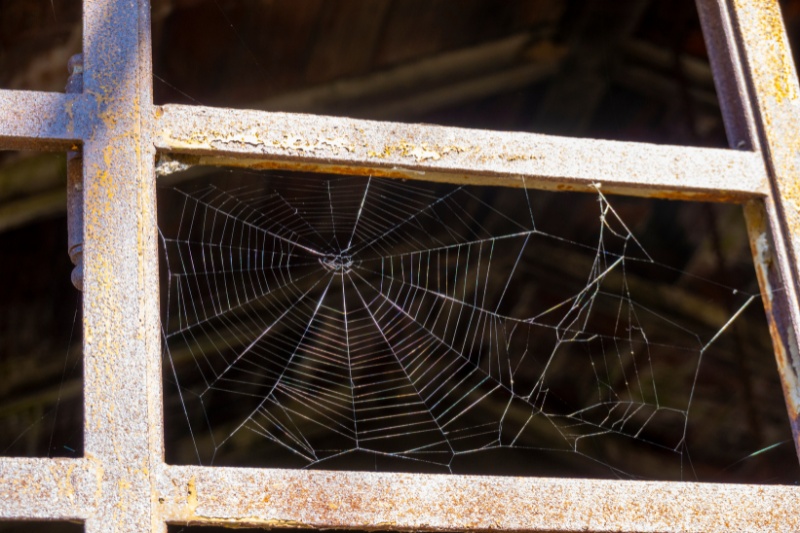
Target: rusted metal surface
(730, 80)
(60, 489)
(780, 301)
(762, 110)
(365, 500)
(434, 153)
(39, 121)
(121, 344)
(75, 184)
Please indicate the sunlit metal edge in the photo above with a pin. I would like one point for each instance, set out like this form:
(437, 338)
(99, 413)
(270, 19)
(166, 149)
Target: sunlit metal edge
(367, 500)
(259, 139)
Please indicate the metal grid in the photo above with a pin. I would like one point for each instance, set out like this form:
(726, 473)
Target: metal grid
(122, 483)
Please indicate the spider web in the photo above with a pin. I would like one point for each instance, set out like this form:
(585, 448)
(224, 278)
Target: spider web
(327, 316)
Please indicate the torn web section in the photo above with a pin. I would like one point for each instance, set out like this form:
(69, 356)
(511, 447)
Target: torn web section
(363, 323)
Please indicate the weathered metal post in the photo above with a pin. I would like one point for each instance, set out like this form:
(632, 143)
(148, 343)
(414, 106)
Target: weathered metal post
(121, 341)
(756, 79)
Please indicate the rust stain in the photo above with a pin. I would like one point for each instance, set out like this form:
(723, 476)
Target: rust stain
(124, 486)
(781, 64)
(420, 152)
(784, 342)
(447, 176)
(191, 494)
(299, 143)
(775, 72)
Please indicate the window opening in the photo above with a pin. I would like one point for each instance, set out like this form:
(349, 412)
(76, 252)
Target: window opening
(343, 322)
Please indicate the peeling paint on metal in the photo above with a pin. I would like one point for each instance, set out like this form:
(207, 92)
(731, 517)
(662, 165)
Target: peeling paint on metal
(779, 303)
(332, 144)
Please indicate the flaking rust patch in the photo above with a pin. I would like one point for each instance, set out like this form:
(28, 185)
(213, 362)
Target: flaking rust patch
(336, 144)
(251, 139)
(764, 257)
(301, 144)
(420, 152)
(520, 157)
(294, 142)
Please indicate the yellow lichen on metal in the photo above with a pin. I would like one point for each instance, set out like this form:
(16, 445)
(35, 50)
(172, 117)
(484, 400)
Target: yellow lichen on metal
(419, 152)
(256, 139)
(778, 65)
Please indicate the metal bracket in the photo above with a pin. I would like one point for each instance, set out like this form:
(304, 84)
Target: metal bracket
(75, 183)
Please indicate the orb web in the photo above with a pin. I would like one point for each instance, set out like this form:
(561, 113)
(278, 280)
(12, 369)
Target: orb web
(325, 316)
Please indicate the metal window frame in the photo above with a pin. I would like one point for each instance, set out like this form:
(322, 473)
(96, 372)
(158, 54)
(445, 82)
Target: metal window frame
(122, 482)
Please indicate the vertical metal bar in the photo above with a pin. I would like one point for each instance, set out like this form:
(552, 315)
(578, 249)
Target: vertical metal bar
(121, 342)
(759, 95)
(730, 79)
(148, 226)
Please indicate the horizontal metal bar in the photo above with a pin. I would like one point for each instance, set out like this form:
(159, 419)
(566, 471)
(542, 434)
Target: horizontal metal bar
(366, 500)
(259, 139)
(38, 120)
(53, 489)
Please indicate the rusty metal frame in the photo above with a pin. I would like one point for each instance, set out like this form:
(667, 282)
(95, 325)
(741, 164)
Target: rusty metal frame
(123, 484)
